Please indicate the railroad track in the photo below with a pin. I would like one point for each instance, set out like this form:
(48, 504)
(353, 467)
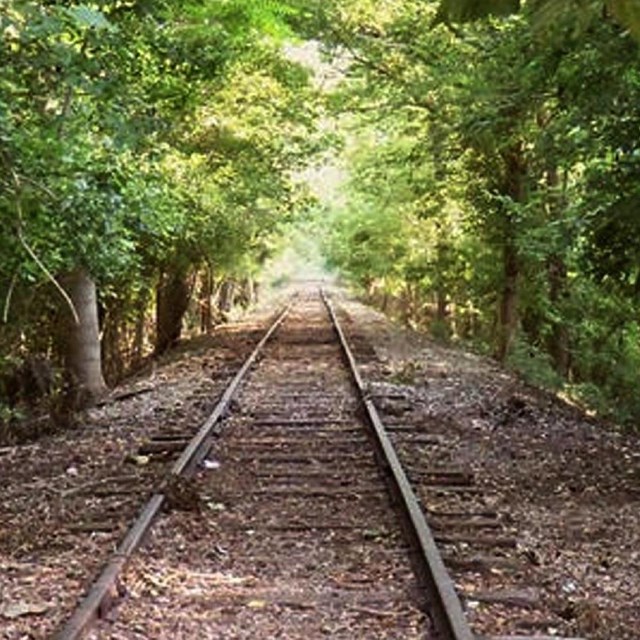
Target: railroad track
(501, 583)
(299, 520)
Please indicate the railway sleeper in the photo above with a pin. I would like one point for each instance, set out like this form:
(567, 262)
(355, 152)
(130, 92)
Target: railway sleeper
(444, 473)
(296, 439)
(373, 531)
(161, 447)
(107, 526)
(287, 421)
(488, 515)
(528, 598)
(286, 491)
(444, 489)
(482, 564)
(172, 437)
(464, 523)
(442, 479)
(309, 459)
(299, 445)
(305, 471)
(504, 542)
(528, 637)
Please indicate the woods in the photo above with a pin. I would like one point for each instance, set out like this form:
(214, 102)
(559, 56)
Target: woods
(144, 148)
(493, 186)
(148, 154)
(319, 319)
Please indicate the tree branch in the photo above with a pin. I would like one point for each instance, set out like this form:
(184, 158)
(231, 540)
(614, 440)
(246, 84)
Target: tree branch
(385, 72)
(69, 93)
(49, 275)
(7, 301)
(32, 253)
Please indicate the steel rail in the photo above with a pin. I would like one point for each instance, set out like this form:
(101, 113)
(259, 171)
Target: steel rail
(106, 587)
(444, 605)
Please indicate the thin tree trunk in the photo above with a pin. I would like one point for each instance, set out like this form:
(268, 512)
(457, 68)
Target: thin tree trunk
(206, 293)
(514, 187)
(113, 361)
(508, 311)
(82, 340)
(172, 300)
(225, 301)
(384, 305)
(244, 293)
(559, 340)
(138, 335)
(437, 137)
(407, 304)
(442, 264)
(441, 306)
(251, 290)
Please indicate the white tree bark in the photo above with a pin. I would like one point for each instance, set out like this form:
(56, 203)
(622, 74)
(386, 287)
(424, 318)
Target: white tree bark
(82, 342)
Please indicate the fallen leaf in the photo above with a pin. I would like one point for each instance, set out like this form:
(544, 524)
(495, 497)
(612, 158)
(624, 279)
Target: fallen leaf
(257, 604)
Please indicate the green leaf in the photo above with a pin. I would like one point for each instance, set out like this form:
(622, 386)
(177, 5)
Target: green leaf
(88, 18)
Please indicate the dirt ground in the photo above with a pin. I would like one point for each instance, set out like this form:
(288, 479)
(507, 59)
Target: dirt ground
(66, 499)
(570, 485)
(295, 537)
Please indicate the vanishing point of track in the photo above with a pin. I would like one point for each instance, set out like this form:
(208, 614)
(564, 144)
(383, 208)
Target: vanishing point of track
(306, 443)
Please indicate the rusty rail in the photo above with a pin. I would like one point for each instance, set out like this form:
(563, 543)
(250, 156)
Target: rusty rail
(444, 606)
(105, 589)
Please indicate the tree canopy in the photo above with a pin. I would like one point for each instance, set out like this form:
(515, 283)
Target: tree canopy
(145, 144)
(493, 195)
(150, 150)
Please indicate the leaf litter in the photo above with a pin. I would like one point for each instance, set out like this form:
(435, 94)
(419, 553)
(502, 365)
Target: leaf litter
(567, 485)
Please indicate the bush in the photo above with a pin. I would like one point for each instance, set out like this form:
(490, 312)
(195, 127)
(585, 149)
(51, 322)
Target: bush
(534, 365)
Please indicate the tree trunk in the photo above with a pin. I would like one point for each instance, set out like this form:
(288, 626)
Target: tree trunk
(384, 305)
(113, 361)
(515, 187)
(441, 306)
(225, 301)
(408, 304)
(244, 293)
(206, 295)
(172, 300)
(508, 311)
(442, 266)
(81, 340)
(532, 322)
(559, 339)
(137, 350)
(251, 290)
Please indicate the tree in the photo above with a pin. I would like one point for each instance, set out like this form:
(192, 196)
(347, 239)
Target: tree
(547, 13)
(103, 115)
(526, 128)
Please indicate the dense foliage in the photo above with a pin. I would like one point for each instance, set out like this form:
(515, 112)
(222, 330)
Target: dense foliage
(494, 188)
(147, 152)
(150, 147)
